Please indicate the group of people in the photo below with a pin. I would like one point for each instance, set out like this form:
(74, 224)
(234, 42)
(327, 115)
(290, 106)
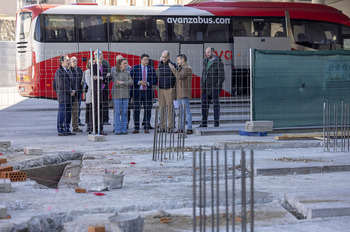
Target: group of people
(134, 84)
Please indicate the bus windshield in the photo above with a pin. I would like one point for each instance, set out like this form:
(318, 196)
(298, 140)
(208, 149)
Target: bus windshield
(317, 35)
(24, 20)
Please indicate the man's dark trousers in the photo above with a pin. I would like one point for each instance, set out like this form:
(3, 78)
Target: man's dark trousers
(206, 100)
(64, 117)
(141, 97)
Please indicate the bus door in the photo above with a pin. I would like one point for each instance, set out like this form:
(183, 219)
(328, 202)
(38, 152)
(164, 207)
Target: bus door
(59, 39)
(194, 54)
(224, 52)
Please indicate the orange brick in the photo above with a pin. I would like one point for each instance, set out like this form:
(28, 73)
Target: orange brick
(14, 175)
(7, 217)
(96, 229)
(80, 190)
(3, 160)
(6, 168)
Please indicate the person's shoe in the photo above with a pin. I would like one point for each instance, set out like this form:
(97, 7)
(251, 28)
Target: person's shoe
(118, 133)
(203, 125)
(161, 130)
(216, 125)
(81, 124)
(189, 132)
(146, 131)
(61, 134)
(77, 130)
(88, 130)
(150, 127)
(170, 130)
(70, 133)
(103, 133)
(125, 133)
(107, 123)
(179, 131)
(135, 131)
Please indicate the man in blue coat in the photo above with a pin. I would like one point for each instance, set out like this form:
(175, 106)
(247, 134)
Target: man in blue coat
(144, 77)
(65, 90)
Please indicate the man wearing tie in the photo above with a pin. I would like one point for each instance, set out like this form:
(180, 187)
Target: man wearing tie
(144, 77)
(65, 90)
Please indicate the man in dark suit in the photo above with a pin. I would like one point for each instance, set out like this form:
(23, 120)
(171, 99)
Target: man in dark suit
(64, 88)
(144, 77)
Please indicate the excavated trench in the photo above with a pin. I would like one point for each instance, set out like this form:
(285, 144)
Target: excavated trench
(49, 175)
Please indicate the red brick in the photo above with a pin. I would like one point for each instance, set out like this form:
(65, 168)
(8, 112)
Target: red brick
(96, 229)
(80, 190)
(14, 175)
(6, 168)
(3, 160)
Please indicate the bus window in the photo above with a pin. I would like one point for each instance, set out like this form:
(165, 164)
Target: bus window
(317, 35)
(59, 28)
(217, 33)
(24, 19)
(241, 27)
(38, 32)
(346, 37)
(139, 29)
(262, 27)
(194, 29)
(120, 28)
(92, 28)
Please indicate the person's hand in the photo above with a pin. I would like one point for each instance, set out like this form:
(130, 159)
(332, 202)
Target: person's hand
(171, 66)
(95, 77)
(108, 74)
(120, 82)
(84, 96)
(72, 93)
(143, 83)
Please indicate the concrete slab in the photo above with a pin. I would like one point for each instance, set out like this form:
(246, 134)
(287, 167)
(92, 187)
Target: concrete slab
(5, 185)
(5, 144)
(315, 204)
(97, 138)
(258, 126)
(280, 164)
(33, 150)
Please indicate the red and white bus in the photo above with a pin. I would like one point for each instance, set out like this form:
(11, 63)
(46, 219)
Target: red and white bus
(45, 32)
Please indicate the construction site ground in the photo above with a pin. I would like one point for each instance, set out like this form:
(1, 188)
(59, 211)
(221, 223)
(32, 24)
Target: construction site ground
(298, 186)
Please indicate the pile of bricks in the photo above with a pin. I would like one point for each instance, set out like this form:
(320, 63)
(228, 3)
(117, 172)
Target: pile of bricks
(7, 172)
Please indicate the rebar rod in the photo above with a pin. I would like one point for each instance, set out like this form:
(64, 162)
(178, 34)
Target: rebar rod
(200, 189)
(226, 189)
(194, 189)
(324, 126)
(233, 189)
(204, 190)
(212, 187)
(217, 191)
(183, 132)
(243, 214)
(334, 129)
(166, 129)
(251, 190)
(342, 125)
(155, 136)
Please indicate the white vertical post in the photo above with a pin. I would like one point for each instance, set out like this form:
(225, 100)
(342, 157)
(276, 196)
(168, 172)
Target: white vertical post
(98, 91)
(92, 92)
(251, 83)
